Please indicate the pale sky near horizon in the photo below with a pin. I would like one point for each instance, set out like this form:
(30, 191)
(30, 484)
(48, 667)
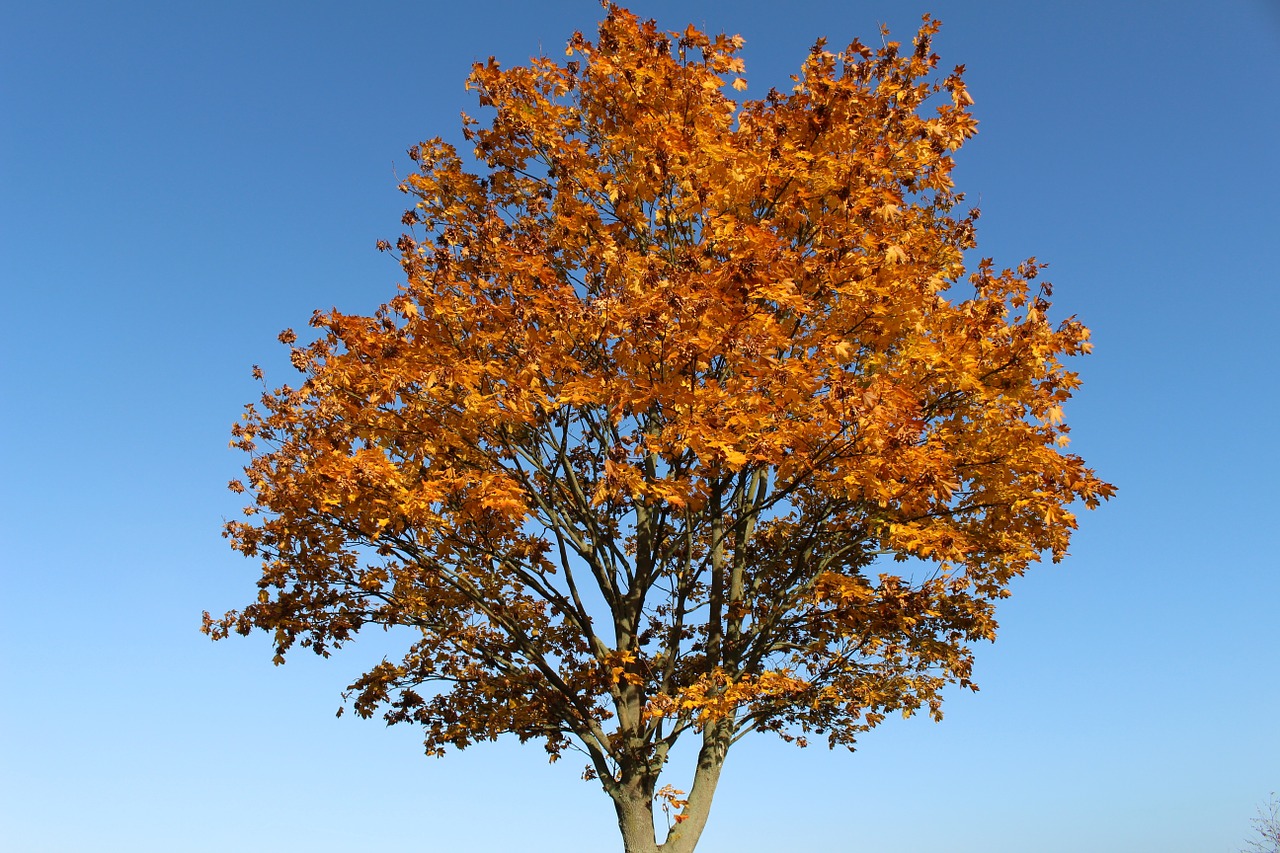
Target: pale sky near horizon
(180, 181)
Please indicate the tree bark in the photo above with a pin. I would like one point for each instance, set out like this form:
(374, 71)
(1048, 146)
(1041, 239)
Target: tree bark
(633, 800)
(634, 805)
(715, 745)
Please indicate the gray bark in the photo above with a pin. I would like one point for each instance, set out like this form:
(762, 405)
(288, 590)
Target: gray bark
(633, 800)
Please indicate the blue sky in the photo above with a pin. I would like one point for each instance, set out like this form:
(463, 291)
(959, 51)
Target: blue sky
(178, 182)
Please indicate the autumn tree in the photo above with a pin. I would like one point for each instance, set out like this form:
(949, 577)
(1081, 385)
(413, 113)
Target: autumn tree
(680, 424)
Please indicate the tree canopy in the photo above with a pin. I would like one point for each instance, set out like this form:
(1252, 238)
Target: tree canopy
(688, 419)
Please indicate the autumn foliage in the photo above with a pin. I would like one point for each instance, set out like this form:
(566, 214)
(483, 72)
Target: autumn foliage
(670, 385)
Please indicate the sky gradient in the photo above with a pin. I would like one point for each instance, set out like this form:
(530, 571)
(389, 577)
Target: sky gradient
(179, 182)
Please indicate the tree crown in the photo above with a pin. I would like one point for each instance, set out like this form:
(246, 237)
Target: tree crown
(670, 384)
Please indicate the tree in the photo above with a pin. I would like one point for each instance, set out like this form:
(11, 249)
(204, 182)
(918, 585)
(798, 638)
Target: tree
(1267, 827)
(671, 384)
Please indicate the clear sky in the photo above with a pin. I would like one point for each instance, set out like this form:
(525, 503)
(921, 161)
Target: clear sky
(179, 181)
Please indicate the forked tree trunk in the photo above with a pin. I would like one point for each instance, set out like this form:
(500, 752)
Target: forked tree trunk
(633, 801)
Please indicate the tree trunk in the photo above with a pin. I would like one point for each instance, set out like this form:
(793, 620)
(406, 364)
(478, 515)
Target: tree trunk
(684, 835)
(633, 801)
(634, 805)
